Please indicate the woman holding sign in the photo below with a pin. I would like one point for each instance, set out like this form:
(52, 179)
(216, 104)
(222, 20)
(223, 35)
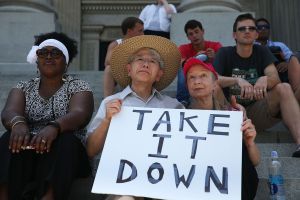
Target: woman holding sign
(143, 65)
(201, 79)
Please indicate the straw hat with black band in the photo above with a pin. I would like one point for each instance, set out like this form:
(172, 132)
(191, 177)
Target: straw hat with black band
(166, 48)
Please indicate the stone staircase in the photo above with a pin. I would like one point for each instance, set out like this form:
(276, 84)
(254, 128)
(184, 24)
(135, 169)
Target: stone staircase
(277, 138)
(282, 142)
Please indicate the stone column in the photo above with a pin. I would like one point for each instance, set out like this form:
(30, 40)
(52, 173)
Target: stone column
(20, 21)
(209, 6)
(216, 16)
(69, 20)
(90, 47)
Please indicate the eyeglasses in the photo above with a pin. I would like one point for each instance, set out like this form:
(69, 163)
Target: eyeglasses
(243, 29)
(142, 60)
(263, 27)
(54, 53)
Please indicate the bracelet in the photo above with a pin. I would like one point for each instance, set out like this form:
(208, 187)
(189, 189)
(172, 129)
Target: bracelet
(17, 122)
(15, 119)
(54, 124)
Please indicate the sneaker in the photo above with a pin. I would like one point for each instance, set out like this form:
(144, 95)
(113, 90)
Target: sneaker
(296, 154)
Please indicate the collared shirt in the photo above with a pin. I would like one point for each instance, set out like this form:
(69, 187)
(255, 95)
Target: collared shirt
(287, 53)
(149, 13)
(130, 98)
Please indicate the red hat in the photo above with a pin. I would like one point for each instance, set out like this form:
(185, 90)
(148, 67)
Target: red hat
(194, 61)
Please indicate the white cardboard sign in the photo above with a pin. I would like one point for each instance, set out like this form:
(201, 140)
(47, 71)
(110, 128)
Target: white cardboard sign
(172, 154)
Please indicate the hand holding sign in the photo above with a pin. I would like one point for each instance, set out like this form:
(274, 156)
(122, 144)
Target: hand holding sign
(249, 134)
(113, 107)
(172, 154)
(238, 107)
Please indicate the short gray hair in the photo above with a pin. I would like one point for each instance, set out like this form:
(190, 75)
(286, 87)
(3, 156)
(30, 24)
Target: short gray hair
(152, 52)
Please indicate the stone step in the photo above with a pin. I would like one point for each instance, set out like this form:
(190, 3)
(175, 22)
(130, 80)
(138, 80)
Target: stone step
(290, 173)
(81, 189)
(290, 170)
(24, 68)
(291, 186)
(283, 149)
(290, 167)
(277, 138)
(10, 78)
(277, 134)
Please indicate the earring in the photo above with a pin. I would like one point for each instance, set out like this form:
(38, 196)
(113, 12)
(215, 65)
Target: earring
(64, 78)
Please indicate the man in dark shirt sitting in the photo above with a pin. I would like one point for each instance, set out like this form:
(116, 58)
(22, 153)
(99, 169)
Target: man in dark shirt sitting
(247, 71)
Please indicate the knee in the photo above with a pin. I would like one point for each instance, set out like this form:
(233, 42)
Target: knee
(283, 89)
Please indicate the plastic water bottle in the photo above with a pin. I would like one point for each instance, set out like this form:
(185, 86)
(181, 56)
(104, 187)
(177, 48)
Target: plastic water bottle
(277, 191)
(202, 57)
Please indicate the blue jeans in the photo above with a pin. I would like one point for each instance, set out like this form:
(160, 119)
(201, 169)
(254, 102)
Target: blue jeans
(182, 94)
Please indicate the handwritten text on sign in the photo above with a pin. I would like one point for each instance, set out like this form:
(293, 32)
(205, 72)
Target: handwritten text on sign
(172, 154)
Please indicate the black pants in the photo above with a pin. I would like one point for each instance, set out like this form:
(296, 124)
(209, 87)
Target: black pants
(284, 77)
(28, 174)
(158, 33)
(249, 177)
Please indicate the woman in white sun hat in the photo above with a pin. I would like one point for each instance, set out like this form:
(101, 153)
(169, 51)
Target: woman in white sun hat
(144, 65)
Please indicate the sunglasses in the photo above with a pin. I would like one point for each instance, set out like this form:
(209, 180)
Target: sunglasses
(263, 27)
(243, 29)
(54, 53)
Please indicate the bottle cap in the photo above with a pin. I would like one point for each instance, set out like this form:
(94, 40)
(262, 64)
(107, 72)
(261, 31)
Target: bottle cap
(274, 154)
(202, 57)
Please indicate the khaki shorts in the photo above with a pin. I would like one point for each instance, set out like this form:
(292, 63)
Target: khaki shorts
(259, 113)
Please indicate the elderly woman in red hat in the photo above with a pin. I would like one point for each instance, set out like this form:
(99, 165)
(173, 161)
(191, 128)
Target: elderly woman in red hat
(201, 79)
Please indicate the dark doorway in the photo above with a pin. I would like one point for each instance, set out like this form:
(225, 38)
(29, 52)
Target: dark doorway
(102, 53)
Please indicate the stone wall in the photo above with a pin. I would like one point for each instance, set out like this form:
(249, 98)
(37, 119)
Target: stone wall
(69, 12)
(96, 22)
(284, 18)
(101, 20)
(20, 22)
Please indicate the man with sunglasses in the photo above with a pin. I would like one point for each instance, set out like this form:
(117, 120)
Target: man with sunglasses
(247, 71)
(288, 66)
